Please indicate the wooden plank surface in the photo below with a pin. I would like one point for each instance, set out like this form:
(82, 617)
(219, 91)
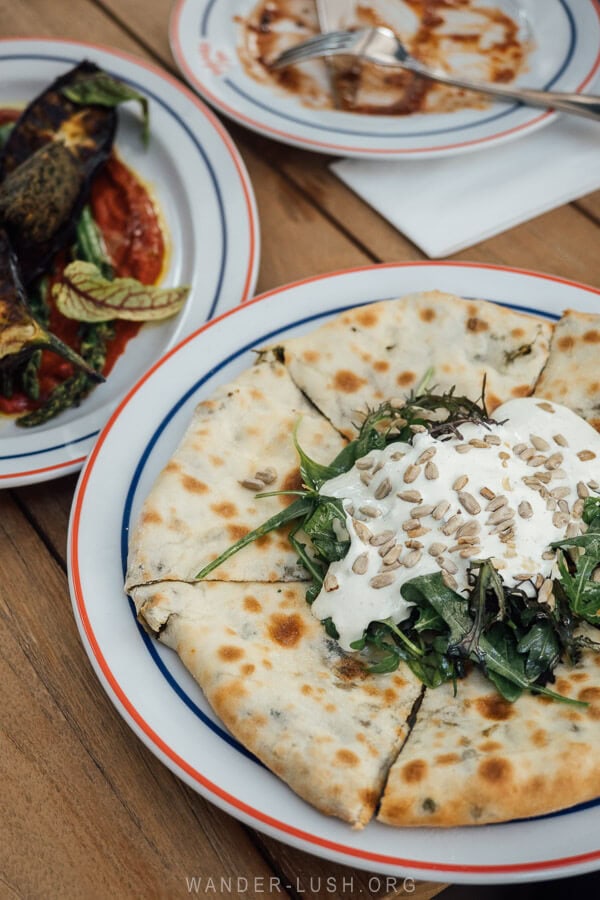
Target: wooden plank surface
(101, 815)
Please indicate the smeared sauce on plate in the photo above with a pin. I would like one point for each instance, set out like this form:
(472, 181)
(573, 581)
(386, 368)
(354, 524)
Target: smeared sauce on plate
(470, 37)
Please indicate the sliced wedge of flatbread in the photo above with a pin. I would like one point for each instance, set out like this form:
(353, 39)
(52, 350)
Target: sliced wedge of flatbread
(286, 690)
(198, 505)
(378, 352)
(474, 758)
(572, 373)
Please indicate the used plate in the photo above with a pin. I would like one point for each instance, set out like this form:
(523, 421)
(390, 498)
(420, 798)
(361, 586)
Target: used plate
(565, 58)
(148, 684)
(206, 200)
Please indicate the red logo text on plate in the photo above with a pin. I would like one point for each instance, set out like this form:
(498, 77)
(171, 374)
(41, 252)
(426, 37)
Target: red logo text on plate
(217, 61)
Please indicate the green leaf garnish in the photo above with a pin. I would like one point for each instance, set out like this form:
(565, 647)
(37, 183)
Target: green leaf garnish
(101, 89)
(84, 294)
(583, 594)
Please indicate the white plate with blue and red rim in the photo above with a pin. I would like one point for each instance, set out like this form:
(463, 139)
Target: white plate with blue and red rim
(146, 681)
(565, 56)
(206, 203)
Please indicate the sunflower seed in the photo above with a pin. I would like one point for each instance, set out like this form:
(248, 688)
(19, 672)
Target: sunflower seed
(330, 582)
(492, 439)
(593, 485)
(468, 552)
(469, 502)
(538, 442)
(586, 455)
(268, 475)
(452, 524)
(366, 477)
(572, 530)
(545, 591)
(361, 564)
(411, 473)
(477, 442)
(560, 519)
(441, 509)
(397, 455)
(362, 531)
(496, 503)
(437, 549)
(426, 455)
(252, 484)
(417, 429)
(537, 460)
(364, 463)
(382, 580)
(391, 567)
(546, 477)
(560, 492)
(561, 440)
(412, 558)
(519, 448)
(420, 511)
(378, 467)
(487, 494)
(469, 528)
(383, 489)
(577, 510)
(410, 525)
(431, 471)
(449, 580)
(383, 551)
(417, 532)
(548, 554)
(596, 575)
(410, 496)
(527, 454)
(582, 490)
(371, 511)
(525, 509)
(551, 504)
(460, 482)
(538, 581)
(563, 505)
(384, 537)
(503, 525)
(547, 407)
(462, 448)
(553, 461)
(448, 565)
(413, 545)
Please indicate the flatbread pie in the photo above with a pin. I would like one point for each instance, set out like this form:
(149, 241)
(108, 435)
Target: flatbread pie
(377, 352)
(367, 699)
(571, 374)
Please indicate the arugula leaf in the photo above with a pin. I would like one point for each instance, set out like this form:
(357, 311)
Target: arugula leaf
(86, 295)
(541, 648)
(320, 527)
(583, 594)
(101, 89)
(296, 510)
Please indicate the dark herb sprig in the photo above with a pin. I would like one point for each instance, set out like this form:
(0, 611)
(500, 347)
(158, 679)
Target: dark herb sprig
(577, 571)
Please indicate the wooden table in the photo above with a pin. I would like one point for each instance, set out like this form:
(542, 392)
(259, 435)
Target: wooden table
(89, 812)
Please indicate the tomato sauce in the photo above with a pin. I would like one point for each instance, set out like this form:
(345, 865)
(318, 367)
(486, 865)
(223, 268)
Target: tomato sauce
(127, 217)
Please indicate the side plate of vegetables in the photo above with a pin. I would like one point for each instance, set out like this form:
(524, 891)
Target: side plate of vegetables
(126, 221)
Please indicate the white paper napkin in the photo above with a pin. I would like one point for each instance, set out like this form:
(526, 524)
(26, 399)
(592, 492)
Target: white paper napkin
(448, 204)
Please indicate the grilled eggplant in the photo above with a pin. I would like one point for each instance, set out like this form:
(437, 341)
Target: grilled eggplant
(46, 169)
(20, 333)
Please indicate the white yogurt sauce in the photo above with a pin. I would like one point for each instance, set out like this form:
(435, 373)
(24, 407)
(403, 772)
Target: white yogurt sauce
(543, 461)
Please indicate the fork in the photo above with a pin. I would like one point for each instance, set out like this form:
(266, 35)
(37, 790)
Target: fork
(381, 46)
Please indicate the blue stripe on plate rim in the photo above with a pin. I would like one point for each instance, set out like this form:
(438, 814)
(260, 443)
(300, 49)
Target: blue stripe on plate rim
(307, 123)
(150, 643)
(72, 60)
